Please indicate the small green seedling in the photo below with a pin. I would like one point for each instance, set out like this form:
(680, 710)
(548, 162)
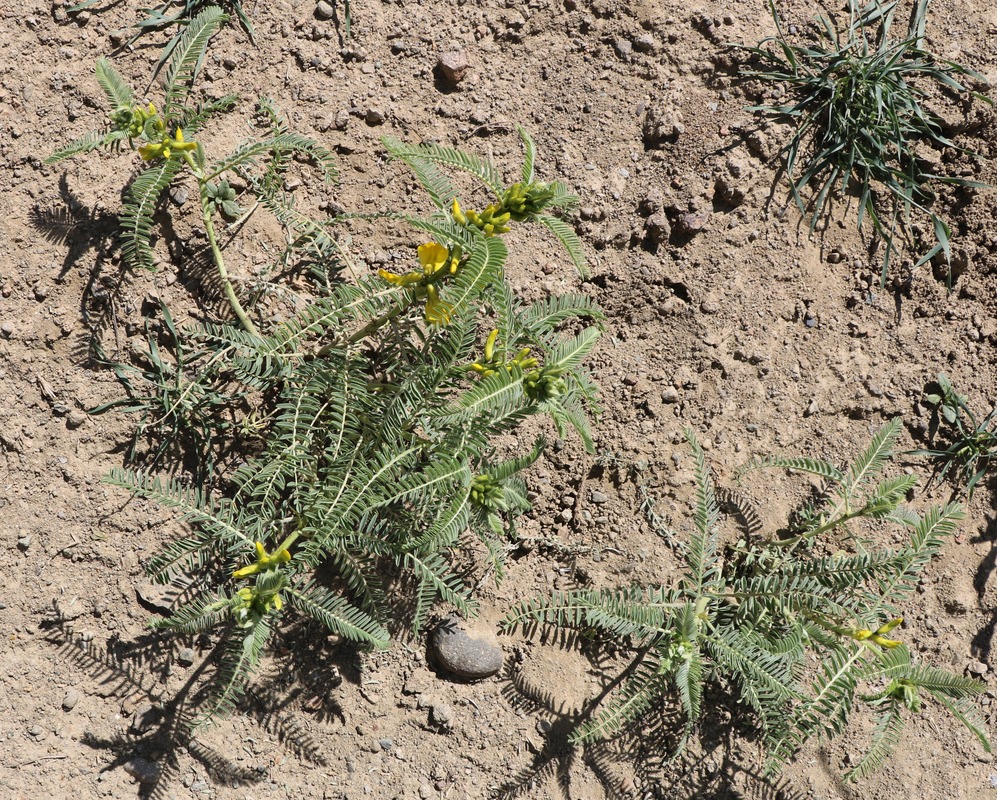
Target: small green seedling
(973, 447)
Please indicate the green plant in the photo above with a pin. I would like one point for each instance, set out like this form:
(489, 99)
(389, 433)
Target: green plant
(800, 626)
(372, 444)
(181, 399)
(161, 140)
(973, 445)
(856, 105)
(184, 13)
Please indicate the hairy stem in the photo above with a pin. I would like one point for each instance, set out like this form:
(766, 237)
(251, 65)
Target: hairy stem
(216, 251)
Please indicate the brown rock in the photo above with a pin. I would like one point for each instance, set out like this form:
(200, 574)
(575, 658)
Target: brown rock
(453, 66)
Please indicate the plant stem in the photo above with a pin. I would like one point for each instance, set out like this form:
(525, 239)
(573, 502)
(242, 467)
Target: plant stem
(818, 531)
(216, 251)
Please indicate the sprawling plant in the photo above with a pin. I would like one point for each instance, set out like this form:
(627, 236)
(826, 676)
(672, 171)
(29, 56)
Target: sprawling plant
(372, 456)
(855, 101)
(803, 626)
(972, 443)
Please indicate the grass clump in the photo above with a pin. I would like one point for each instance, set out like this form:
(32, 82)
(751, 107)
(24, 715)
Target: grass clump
(855, 101)
(804, 628)
(371, 483)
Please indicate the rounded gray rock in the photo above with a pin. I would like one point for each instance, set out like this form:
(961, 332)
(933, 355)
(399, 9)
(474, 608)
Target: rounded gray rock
(465, 655)
(71, 699)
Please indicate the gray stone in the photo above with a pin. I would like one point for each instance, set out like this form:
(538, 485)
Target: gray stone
(185, 657)
(462, 654)
(670, 395)
(375, 116)
(324, 10)
(599, 498)
(71, 699)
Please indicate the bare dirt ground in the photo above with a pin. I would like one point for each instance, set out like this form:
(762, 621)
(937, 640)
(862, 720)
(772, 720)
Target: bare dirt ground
(738, 326)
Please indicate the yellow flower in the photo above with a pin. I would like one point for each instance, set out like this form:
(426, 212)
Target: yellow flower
(438, 312)
(264, 561)
(400, 280)
(435, 257)
(167, 147)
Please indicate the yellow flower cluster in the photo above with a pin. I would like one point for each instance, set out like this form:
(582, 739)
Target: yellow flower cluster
(434, 258)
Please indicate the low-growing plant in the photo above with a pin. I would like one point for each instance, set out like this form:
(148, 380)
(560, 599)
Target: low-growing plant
(175, 16)
(164, 140)
(372, 455)
(973, 445)
(802, 627)
(855, 101)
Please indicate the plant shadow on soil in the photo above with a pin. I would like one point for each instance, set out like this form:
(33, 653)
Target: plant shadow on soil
(640, 760)
(162, 723)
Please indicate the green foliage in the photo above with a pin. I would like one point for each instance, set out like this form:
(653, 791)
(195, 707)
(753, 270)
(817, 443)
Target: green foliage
(163, 139)
(180, 412)
(856, 105)
(370, 451)
(799, 625)
(972, 445)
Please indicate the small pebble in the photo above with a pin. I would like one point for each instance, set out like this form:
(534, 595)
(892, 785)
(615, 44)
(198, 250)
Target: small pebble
(670, 395)
(185, 657)
(24, 542)
(179, 195)
(7, 329)
(599, 498)
(977, 668)
(324, 10)
(462, 654)
(453, 66)
(41, 291)
(709, 307)
(386, 744)
(71, 699)
(75, 418)
(374, 116)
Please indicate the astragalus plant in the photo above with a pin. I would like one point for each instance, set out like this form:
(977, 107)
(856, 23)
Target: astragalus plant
(803, 629)
(372, 483)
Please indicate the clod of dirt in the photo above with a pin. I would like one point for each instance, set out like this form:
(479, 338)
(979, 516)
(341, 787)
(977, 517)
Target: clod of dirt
(662, 126)
(658, 229)
(692, 222)
(456, 651)
(453, 66)
(154, 598)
